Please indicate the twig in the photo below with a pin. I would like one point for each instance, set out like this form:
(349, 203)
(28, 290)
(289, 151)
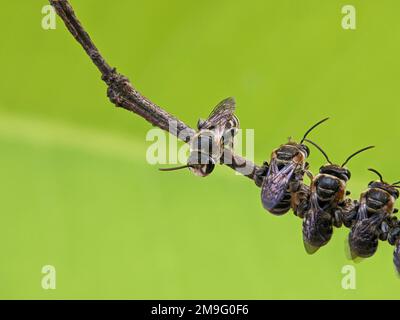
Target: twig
(122, 93)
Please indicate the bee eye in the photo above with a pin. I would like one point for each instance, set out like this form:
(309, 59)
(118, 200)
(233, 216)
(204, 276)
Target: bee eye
(370, 184)
(209, 168)
(305, 149)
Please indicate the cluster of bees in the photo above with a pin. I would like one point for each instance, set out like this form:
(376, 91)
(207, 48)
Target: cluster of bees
(322, 205)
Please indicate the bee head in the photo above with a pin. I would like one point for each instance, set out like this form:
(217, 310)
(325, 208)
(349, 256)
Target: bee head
(341, 171)
(291, 151)
(305, 150)
(336, 171)
(200, 164)
(385, 187)
(392, 189)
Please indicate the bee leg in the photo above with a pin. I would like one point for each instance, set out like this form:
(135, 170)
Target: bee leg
(337, 219)
(349, 216)
(395, 210)
(394, 235)
(301, 209)
(200, 123)
(309, 175)
(348, 193)
(260, 174)
(384, 231)
(300, 201)
(234, 131)
(227, 139)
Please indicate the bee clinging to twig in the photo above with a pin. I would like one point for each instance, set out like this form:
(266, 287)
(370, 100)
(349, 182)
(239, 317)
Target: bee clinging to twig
(281, 180)
(214, 135)
(327, 201)
(394, 240)
(373, 217)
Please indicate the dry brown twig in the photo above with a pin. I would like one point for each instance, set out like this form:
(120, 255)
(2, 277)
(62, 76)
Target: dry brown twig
(123, 94)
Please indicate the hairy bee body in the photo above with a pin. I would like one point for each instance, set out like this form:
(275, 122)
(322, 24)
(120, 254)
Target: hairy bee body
(396, 256)
(364, 235)
(207, 147)
(214, 135)
(284, 178)
(317, 230)
(281, 180)
(394, 240)
(371, 222)
(328, 190)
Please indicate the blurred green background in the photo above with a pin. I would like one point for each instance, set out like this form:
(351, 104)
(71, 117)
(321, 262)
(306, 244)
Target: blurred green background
(77, 192)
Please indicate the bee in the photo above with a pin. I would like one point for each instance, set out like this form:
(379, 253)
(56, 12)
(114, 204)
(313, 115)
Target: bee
(214, 135)
(281, 180)
(394, 240)
(373, 217)
(328, 198)
(396, 256)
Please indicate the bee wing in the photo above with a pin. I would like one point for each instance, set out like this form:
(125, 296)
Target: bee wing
(309, 224)
(396, 256)
(220, 116)
(362, 214)
(275, 184)
(364, 229)
(310, 249)
(350, 254)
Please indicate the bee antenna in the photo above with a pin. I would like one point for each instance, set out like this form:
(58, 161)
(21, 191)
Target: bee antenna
(396, 183)
(175, 168)
(320, 149)
(356, 153)
(376, 172)
(312, 128)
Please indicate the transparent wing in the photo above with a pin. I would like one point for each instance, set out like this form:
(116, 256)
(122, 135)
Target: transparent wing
(349, 254)
(221, 115)
(275, 184)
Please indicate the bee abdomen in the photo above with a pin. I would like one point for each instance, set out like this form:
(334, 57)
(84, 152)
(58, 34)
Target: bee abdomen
(317, 229)
(327, 187)
(283, 206)
(362, 240)
(325, 194)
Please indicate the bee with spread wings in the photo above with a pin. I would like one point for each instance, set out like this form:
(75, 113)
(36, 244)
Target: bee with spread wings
(214, 135)
(281, 181)
(327, 202)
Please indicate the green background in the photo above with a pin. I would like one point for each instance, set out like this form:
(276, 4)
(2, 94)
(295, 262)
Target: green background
(77, 192)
